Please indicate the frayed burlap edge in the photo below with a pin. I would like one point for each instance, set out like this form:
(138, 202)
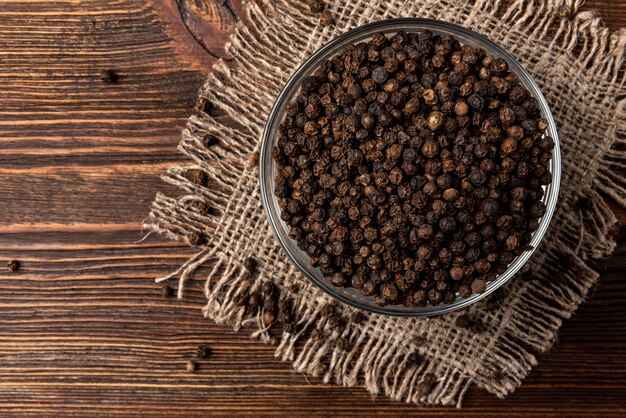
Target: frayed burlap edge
(578, 64)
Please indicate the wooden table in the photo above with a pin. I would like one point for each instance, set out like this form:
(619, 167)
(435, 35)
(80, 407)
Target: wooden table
(83, 327)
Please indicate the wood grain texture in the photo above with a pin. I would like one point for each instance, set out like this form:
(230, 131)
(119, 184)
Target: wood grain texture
(84, 329)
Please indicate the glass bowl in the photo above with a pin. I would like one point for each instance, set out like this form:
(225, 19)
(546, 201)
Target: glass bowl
(268, 166)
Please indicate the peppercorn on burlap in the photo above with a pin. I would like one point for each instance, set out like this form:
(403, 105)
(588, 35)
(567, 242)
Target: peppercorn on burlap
(577, 63)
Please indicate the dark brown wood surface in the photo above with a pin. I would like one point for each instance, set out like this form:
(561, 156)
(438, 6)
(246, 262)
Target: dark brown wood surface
(83, 328)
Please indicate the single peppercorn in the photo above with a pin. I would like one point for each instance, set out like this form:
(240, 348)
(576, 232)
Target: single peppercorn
(326, 18)
(358, 317)
(379, 75)
(414, 359)
(426, 385)
(465, 291)
(167, 291)
(203, 351)
(463, 321)
(198, 177)
(419, 340)
(209, 141)
(13, 265)
(478, 286)
(435, 120)
(253, 159)
(316, 6)
(333, 322)
(456, 273)
(338, 279)
(461, 108)
(430, 97)
(508, 146)
(109, 76)
(250, 265)
(268, 318)
(430, 149)
(191, 366)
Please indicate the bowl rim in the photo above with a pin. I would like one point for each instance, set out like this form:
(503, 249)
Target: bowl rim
(437, 26)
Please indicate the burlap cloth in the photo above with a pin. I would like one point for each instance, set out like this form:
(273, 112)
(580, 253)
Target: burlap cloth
(577, 63)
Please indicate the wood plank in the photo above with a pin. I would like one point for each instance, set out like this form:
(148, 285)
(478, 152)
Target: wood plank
(85, 328)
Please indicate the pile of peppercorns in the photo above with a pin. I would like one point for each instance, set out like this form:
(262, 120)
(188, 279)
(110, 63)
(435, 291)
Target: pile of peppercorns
(411, 168)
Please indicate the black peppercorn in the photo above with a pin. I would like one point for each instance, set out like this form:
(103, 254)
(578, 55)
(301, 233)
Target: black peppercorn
(338, 279)
(379, 75)
(109, 76)
(463, 321)
(167, 291)
(250, 264)
(478, 286)
(191, 366)
(316, 6)
(537, 209)
(326, 18)
(203, 351)
(414, 359)
(13, 265)
(268, 318)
